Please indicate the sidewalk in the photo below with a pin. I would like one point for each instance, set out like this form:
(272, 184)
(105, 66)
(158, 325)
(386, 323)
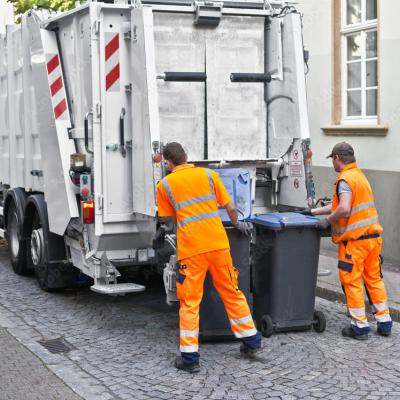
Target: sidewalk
(24, 376)
(328, 287)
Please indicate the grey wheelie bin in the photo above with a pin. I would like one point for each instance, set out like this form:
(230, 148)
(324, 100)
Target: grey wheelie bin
(214, 322)
(285, 267)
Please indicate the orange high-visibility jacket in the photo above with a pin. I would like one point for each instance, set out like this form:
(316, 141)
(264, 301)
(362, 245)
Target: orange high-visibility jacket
(192, 195)
(363, 218)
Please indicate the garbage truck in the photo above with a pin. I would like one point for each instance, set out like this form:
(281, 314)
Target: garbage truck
(89, 96)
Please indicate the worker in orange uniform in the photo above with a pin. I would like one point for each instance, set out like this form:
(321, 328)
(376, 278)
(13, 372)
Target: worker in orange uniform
(191, 195)
(357, 231)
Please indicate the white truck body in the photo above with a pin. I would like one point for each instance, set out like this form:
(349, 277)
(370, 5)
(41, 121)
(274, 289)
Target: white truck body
(92, 82)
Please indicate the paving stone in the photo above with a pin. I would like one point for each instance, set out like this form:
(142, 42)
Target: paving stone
(21, 371)
(126, 347)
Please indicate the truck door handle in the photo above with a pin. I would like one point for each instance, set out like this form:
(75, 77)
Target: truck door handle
(183, 76)
(86, 125)
(122, 148)
(250, 77)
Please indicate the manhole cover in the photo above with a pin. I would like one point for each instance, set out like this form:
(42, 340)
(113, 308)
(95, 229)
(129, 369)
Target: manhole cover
(56, 346)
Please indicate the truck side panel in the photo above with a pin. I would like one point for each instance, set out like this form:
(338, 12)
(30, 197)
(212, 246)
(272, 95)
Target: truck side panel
(4, 113)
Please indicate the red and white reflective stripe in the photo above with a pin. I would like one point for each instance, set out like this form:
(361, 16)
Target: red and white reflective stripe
(57, 90)
(112, 61)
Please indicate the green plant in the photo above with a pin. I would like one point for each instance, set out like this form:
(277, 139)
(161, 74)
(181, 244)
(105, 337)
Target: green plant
(21, 6)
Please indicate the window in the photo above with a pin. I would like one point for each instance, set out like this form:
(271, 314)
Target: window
(359, 38)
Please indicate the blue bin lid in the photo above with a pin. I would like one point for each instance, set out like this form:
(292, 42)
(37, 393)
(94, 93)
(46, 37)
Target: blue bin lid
(237, 182)
(284, 220)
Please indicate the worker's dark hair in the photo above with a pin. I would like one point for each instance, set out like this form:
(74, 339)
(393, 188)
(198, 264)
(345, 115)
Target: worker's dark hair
(174, 153)
(347, 159)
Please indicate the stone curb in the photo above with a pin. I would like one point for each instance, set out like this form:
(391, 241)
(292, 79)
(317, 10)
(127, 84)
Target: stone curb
(333, 295)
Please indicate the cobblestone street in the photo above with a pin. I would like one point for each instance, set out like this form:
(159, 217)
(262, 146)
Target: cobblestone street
(125, 348)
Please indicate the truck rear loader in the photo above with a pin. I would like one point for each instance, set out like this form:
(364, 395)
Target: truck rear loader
(89, 96)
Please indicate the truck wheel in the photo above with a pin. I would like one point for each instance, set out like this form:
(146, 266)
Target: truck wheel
(16, 246)
(319, 323)
(36, 254)
(46, 251)
(267, 326)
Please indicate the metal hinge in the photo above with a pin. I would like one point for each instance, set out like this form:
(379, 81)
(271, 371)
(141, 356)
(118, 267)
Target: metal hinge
(128, 88)
(207, 13)
(98, 110)
(37, 172)
(100, 202)
(96, 27)
(134, 33)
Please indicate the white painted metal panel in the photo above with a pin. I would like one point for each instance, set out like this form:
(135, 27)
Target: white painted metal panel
(16, 103)
(114, 75)
(236, 112)
(55, 142)
(145, 115)
(32, 113)
(4, 114)
(180, 47)
(287, 109)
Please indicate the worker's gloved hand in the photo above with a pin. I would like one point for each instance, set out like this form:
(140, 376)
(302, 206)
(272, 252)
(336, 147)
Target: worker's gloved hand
(305, 211)
(244, 227)
(322, 224)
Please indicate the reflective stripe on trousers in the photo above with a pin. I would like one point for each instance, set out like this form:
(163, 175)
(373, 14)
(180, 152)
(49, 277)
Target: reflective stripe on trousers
(358, 317)
(223, 274)
(362, 259)
(381, 312)
(189, 349)
(243, 327)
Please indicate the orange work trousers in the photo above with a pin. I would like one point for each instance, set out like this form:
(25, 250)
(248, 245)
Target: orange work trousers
(190, 281)
(360, 260)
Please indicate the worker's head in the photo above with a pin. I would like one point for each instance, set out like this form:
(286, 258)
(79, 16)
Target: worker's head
(174, 154)
(342, 154)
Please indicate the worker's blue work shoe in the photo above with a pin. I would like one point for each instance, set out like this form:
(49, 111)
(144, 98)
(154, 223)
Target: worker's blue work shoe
(248, 351)
(192, 367)
(251, 345)
(384, 328)
(349, 332)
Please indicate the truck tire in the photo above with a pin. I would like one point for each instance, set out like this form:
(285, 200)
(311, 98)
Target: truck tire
(14, 216)
(46, 251)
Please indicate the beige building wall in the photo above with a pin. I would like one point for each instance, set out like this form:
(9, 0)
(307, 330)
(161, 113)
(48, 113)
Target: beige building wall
(378, 156)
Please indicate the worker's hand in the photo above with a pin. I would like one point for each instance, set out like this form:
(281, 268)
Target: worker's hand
(244, 227)
(322, 224)
(305, 211)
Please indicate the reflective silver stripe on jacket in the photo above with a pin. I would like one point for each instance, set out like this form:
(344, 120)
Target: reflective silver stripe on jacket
(356, 225)
(193, 200)
(168, 190)
(210, 182)
(362, 206)
(198, 217)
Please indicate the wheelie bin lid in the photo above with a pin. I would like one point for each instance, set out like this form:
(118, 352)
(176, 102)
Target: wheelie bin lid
(279, 221)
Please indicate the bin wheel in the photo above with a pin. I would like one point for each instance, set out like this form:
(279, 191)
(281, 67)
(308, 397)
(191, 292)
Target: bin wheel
(319, 323)
(267, 326)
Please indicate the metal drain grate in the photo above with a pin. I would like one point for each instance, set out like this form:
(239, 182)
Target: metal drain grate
(57, 346)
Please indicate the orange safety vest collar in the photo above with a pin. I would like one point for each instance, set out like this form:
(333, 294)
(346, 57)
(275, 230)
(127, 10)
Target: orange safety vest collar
(363, 217)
